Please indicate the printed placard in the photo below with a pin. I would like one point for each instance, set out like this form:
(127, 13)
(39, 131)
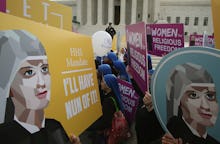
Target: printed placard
(164, 38)
(198, 40)
(74, 87)
(43, 11)
(185, 90)
(137, 50)
(129, 98)
(216, 22)
(3, 5)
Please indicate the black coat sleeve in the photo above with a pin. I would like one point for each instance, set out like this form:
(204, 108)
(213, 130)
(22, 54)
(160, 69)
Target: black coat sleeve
(104, 122)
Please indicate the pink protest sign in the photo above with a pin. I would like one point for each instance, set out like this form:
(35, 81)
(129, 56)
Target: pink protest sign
(3, 5)
(201, 40)
(129, 99)
(137, 50)
(164, 38)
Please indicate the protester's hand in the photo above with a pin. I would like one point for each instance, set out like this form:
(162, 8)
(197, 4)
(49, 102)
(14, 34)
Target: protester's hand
(148, 101)
(74, 139)
(169, 139)
(129, 71)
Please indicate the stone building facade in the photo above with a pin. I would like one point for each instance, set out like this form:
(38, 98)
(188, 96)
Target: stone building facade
(90, 16)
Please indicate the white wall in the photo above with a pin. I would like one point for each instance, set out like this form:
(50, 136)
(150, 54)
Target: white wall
(191, 9)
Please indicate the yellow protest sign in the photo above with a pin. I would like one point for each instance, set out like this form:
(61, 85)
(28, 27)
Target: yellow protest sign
(123, 42)
(114, 43)
(74, 99)
(216, 22)
(43, 11)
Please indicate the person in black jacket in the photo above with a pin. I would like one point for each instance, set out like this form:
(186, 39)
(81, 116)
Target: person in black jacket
(110, 30)
(110, 87)
(149, 39)
(108, 108)
(147, 126)
(25, 85)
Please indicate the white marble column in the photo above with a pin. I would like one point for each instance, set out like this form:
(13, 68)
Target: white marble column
(133, 11)
(111, 11)
(100, 12)
(79, 11)
(89, 12)
(145, 11)
(156, 10)
(123, 12)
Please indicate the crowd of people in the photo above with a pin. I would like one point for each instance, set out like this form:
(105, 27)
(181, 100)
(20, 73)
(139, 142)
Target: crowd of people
(27, 120)
(147, 127)
(189, 84)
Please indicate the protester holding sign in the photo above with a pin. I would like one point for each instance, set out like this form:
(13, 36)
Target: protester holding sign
(103, 69)
(110, 87)
(109, 59)
(191, 91)
(120, 67)
(25, 83)
(147, 126)
(96, 130)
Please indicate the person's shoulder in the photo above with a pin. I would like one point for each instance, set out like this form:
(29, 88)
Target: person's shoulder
(52, 123)
(112, 29)
(12, 132)
(107, 29)
(9, 125)
(211, 140)
(109, 101)
(175, 121)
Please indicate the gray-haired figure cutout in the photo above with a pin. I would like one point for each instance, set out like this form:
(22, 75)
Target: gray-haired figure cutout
(192, 104)
(25, 87)
(15, 47)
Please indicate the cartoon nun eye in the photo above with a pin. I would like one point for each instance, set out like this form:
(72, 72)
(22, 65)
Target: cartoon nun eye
(29, 73)
(193, 95)
(211, 96)
(45, 69)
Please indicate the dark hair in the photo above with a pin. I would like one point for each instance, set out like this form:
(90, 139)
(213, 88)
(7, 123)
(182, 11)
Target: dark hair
(149, 62)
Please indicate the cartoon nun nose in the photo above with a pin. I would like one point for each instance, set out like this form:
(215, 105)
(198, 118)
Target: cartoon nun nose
(204, 103)
(40, 80)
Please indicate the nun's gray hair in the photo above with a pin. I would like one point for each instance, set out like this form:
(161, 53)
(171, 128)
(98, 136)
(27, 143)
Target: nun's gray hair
(181, 76)
(16, 46)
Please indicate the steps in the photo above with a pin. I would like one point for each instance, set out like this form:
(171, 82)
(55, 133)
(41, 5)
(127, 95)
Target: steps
(155, 61)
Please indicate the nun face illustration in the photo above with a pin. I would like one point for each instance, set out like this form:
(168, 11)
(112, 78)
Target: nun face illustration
(31, 86)
(199, 104)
